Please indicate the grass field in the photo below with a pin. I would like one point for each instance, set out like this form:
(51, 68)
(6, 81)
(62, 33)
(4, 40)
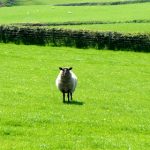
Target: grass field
(111, 103)
(49, 14)
(62, 14)
(44, 14)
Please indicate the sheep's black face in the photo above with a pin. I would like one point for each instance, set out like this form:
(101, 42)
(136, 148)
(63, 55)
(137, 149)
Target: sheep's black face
(65, 71)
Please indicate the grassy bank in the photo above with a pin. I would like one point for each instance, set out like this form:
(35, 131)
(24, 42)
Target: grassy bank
(117, 27)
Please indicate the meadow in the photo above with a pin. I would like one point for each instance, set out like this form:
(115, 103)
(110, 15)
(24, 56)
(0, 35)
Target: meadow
(111, 105)
(110, 108)
(55, 14)
(45, 13)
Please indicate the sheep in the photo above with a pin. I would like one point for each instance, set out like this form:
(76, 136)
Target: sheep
(66, 82)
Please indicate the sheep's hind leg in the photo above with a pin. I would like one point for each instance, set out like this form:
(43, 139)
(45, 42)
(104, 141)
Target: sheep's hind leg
(68, 96)
(71, 95)
(63, 97)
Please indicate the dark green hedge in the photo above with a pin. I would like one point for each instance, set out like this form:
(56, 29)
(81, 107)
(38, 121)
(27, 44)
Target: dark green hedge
(8, 3)
(79, 39)
(78, 23)
(104, 3)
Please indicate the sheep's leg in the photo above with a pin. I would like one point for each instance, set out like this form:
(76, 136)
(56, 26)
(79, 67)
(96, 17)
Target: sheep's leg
(68, 96)
(71, 95)
(63, 96)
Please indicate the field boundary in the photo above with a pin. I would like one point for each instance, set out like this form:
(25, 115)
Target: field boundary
(8, 3)
(80, 23)
(14, 3)
(75, 38)
(104, 3)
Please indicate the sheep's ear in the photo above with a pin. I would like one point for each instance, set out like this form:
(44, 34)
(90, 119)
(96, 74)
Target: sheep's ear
(60, 68)
(70, 68)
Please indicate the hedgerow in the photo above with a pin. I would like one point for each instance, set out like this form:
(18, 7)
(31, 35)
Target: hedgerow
(69, 23)
(104, 3)
(80, 39)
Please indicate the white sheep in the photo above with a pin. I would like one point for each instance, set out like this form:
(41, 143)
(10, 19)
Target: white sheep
(66, 82)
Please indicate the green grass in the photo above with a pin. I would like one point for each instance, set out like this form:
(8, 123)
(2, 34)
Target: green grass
(49, 14)
(122, 27)
(113, 87)
(42, 13)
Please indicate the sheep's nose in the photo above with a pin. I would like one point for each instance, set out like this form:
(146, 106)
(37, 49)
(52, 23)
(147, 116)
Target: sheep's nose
(66, 72)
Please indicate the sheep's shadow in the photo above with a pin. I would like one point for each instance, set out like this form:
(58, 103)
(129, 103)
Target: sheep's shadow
(74, 102)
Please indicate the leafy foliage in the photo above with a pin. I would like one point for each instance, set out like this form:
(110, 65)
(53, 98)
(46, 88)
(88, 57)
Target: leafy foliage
(79, 39)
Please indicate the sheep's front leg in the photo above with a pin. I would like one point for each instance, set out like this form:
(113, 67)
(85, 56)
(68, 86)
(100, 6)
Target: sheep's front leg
(63, 96)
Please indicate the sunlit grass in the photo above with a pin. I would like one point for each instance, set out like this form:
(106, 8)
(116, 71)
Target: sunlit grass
(113, 90)
(121, 27)
(43, 14)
